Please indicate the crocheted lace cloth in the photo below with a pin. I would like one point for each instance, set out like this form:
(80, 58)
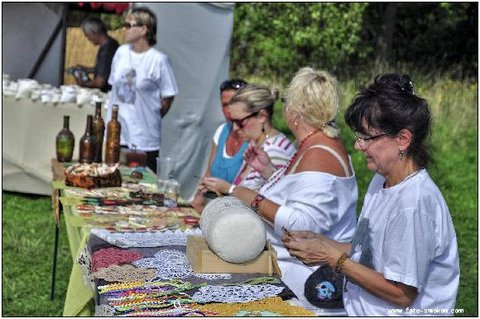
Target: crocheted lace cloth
(106, 257)
(125, 273)
(84, 259)
(174, 264)
(243, 293)
(147, 239)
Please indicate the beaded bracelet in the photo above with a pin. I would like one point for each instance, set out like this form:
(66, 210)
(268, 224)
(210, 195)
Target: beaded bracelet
(340, 263)
(256, 201)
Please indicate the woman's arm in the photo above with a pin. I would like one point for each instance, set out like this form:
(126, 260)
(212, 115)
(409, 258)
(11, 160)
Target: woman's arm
(372, 281)
(322, 250)
(165, 105)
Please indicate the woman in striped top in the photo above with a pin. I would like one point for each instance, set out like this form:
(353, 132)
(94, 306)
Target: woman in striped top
(251, 110)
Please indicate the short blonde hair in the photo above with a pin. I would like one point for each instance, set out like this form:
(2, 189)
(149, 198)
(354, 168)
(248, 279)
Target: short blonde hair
(315, 98)
(146, 17)
(256, 97)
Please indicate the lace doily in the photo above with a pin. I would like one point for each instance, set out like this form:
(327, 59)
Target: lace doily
(231, 294)
(104, 311)
(125, 273)
(146, 239)
(269, 307)
(174, 264)
(106, 257)
(85, 262)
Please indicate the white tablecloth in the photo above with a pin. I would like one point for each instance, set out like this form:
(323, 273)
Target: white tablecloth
(29, 131)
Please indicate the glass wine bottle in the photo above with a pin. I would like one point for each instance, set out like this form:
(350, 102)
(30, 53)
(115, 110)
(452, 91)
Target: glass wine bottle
(65, 142)
(88, 143)
(98, 131)
(112, 148)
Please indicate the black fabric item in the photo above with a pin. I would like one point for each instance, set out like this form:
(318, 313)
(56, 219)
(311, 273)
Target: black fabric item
(324, 288)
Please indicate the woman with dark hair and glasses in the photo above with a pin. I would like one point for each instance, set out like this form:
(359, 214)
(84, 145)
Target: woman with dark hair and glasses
(251, 111)
(316, 190)
(403, 259)
(143, 85)
(226, 155)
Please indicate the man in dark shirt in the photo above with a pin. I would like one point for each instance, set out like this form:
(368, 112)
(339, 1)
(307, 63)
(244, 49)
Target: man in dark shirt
(96, 32)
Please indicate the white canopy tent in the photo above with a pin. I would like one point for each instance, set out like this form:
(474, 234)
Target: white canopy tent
(195, 36)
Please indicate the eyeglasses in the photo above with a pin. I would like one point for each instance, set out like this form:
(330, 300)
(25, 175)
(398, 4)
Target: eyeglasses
(241, 121)
(365, 141)
(232, 85)
(128, 25)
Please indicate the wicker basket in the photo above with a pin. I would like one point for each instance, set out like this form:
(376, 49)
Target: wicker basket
(85, 181)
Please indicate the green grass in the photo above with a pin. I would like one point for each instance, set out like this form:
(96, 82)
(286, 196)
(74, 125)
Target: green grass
(28, 234)
(28, 226)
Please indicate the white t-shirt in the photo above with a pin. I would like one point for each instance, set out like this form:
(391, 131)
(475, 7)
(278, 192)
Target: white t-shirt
(316, 201)
(406, 233)
(139, 82)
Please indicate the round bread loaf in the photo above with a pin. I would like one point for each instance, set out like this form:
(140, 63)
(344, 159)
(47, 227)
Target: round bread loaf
(233, 231)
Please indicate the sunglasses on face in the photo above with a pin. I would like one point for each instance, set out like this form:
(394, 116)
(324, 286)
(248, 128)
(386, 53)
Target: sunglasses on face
(240, 122)
(128, 25)
(232, 85)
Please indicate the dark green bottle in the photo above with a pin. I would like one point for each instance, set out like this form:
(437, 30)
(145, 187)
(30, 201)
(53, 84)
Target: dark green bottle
(65, 142)
(88, 143)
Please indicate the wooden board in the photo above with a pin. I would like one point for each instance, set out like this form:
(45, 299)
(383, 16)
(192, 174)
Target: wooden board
(203, 260)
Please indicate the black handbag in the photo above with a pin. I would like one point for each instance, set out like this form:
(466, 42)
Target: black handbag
(324, 288)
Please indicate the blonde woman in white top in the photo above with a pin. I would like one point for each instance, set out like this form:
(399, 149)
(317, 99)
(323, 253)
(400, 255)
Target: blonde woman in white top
(317, 190)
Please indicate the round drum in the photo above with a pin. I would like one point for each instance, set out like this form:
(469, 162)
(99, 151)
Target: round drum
(234, 232)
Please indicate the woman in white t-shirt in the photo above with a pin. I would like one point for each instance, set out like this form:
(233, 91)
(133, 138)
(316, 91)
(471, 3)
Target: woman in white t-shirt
(316, 190)
(143, 85)
(403, 259)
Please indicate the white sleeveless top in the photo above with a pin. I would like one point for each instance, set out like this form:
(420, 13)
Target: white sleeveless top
(315, 201)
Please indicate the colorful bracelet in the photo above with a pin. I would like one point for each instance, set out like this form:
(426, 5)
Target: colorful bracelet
(256, 201)
(340, 263)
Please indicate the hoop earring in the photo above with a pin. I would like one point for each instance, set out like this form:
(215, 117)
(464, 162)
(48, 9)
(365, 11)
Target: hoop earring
(401, 153)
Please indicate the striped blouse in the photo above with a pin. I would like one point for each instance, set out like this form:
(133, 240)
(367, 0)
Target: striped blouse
(279, 148)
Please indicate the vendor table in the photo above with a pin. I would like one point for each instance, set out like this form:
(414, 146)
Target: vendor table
(29, 131)
(81, 216)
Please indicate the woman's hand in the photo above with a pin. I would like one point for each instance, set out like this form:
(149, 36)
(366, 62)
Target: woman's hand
(256, 157)
(312, 249)
(216, 184)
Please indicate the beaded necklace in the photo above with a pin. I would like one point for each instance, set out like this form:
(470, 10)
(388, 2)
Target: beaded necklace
(290, 162)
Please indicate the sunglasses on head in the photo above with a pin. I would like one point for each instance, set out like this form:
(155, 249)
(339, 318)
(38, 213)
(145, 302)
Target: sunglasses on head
(128, 25)
(240, 122)
(232, 85)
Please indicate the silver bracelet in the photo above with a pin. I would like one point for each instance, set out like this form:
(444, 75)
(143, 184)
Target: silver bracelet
(231, 189)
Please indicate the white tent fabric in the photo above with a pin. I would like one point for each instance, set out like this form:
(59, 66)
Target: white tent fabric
(196, 38)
